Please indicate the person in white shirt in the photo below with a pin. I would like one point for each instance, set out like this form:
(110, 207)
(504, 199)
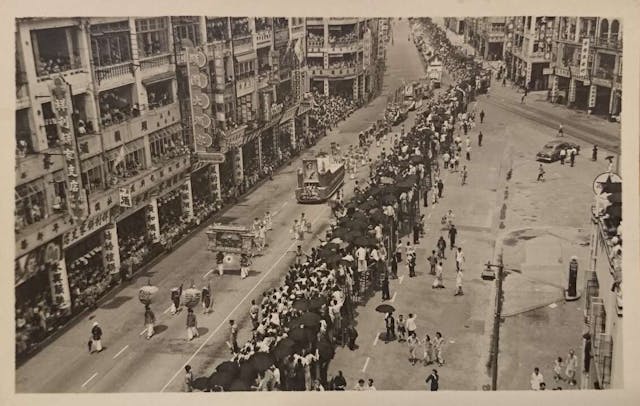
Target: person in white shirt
(378, 230)
(411, 323)
(459, 259)
(361, 254)
(459, 283)
(360, 385)
(370, 386)
(536, 379)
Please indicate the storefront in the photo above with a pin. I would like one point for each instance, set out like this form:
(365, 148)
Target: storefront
(268, 147)
(134, 241)
(203, 189)
(171, 215)
(226, 175)
(42, 298)
(250, 159)
(88, 277)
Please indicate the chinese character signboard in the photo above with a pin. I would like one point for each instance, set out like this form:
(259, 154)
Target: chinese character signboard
(58, 278)
(366, 49)
(63, 109)
(125, 197)
(584, 58)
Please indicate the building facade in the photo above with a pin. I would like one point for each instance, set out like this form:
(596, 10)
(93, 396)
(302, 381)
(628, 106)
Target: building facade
(108, 170)
(603, 292)
(342, 55)
(457, 25)
(528, 50)
(586, 65)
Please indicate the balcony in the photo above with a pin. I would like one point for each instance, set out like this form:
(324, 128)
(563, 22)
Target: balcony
(22, 96)
(148, 122)
(31, 166)
(155, 62)
(342, 73)
(315, 21)
(495, 36)
(114, 75)
(245, 86)
(613, 44)
(342, 47)
(263, 79)
(33, 235)
(233, 138)
(343, 20)
(263, 38)
(242, 45)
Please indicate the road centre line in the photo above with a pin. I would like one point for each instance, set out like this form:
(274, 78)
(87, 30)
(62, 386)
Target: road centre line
(273, 266)
(364, 368)
(401, 279)
(90, 379)
(207, 274)
(121, 351)
(375, 341)
(393, 299)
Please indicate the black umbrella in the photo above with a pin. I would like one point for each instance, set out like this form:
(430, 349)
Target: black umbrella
(385, 308)
(222, 379)
(389, 199)
(301, 305)
(240, 385)
(310, 319)
(317, 302)
(261, 361)
(201, 383)
(285, 347)
(609, 157)
(295, 323)
(298, 335)
(247, 372)
(229, 367)
(325, 350)
(365, 242)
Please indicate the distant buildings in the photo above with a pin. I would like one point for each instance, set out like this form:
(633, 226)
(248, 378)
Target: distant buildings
(579, 59)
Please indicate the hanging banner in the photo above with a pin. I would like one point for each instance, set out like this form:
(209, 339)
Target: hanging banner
(59, 281)
(62, 109)
(111, 249)
(366, 49)
(584, 58)
(592, 96)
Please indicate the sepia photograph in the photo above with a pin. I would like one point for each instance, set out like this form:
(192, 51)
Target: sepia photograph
(229, 203)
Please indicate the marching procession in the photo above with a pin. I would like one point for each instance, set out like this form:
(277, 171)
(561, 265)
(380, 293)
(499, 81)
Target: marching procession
(284, 290)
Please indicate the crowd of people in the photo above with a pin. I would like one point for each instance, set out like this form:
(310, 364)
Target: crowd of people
(328, 111)
(115, 109)
(343, 39)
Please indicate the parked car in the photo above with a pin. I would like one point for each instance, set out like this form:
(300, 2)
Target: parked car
(551, 150)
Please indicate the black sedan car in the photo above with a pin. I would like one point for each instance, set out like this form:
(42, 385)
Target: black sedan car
(551, 150)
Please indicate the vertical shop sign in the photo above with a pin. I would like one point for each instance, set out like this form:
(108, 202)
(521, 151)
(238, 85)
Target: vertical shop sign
(201, 122)
(366, 49)
(125, 197)
(111, 249)
(58, 278)
(63, 110)
(584, 58)
(592, 96)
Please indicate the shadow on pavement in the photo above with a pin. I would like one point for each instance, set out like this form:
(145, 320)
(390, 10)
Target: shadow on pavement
(116, 302)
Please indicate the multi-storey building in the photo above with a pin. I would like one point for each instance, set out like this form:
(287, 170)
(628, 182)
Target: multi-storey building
(586, 64)
(489, 38)
(528, 50)
(105, 174)
(457, 25)
(603, 291)
(341, 56)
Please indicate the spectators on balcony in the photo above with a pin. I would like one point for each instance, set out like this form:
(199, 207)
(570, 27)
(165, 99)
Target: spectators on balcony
(114, 108)
(217, 29)
(262, 24)
(315, 40)
(240, 27)
(343, 39)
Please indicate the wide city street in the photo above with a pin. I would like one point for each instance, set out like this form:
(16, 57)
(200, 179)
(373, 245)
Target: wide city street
(538, 226)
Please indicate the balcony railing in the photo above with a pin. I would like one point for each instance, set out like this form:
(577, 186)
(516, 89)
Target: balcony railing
(155, 61)
(603, 73)
(114, 71)
(609, 43)
(335, 72)
(241, 45)
(263, 36)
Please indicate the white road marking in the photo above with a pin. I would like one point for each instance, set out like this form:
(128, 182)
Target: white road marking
(142, 332)
(401, 279)
(89, 380)
(375, 341)
(121, 351)
(393, 299)
(364, 368)
(223, 322)
(166, 310)
(207, 274)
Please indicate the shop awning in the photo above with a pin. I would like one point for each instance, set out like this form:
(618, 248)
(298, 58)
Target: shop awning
(288, 115)
(246, 57)
(250, 135)
(158, 78)
(91, 163)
